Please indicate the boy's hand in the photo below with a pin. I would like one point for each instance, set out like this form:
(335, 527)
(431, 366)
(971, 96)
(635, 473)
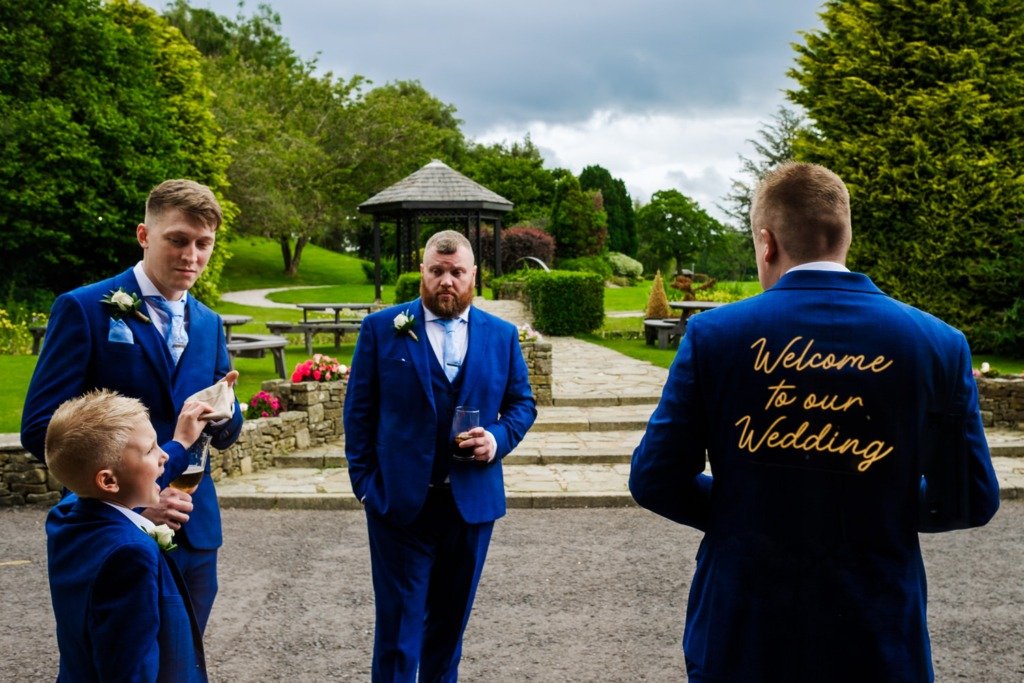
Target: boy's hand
(173, 508)
(189, 425)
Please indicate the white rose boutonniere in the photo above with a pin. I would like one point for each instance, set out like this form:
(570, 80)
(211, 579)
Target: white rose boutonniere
(124, 304)
(164, 537)
(404, 323)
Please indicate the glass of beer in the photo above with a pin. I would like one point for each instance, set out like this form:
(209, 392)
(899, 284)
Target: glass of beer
(466, 417)
(188, 481)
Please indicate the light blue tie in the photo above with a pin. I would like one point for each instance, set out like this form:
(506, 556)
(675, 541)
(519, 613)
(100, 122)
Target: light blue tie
(451, 360)
(175, 336)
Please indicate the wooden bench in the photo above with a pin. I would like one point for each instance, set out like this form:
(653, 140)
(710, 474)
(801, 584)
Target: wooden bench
(38, 332)
(665, 331)
(308, 329)
(256, 346)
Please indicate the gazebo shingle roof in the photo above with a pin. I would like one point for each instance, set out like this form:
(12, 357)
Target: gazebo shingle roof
(435, 186)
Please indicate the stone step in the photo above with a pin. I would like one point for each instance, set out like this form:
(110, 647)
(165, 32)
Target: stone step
(526, 486)
(597, 440)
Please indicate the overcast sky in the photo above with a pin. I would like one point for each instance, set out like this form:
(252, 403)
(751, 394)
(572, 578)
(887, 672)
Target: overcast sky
(662, 93)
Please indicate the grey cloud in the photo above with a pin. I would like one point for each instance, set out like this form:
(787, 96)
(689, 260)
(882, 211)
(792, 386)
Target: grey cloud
(557, 61)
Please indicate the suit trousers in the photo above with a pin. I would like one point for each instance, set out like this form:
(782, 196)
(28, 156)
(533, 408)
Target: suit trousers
(199, 570)
(425, 576)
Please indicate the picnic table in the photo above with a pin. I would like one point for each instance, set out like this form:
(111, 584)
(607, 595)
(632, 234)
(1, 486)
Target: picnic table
(308, 328)
(233, 321)
(668, 331)
(335, 308)
(256, 346)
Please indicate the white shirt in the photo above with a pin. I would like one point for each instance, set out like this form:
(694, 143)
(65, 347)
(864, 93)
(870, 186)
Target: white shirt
(435, 333)
(147, 288)
(133, 516)
(821, 265)
(460, 339)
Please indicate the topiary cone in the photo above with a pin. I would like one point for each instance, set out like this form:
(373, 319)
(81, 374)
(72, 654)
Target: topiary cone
(657, 302)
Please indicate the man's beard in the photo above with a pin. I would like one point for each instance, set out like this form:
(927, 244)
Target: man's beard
(447, 307)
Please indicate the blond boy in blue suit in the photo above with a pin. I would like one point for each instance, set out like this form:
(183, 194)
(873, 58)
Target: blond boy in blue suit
(121, 607)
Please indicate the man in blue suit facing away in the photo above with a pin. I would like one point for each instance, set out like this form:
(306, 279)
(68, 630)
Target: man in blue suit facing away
(121, 607)
(140, 334)
(838, 423)
(429, 516)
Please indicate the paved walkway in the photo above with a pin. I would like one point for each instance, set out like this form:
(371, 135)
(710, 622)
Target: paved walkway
(576, 455)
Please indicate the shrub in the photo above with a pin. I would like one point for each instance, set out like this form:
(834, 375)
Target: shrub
(388, 271)
(517, 242)
(15, 338)
(407, 287)
(657, 302)
(511, 286)
(624, 266)
(566, 303)
(589, 264)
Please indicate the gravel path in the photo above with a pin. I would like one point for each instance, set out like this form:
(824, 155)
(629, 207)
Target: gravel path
(567, 595)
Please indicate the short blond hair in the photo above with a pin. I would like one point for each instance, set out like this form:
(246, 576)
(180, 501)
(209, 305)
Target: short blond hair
(448, 242)
(807, 208)
(90, 433)
(193, 199)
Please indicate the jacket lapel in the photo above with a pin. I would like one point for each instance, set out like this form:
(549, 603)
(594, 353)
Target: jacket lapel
(419, 350)
(475, 354)
(146, 334)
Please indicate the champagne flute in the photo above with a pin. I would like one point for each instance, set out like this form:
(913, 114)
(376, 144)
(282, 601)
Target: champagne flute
(466, 417)
(198, 452)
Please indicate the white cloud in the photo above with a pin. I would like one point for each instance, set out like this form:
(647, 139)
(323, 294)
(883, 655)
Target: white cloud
(696, 154)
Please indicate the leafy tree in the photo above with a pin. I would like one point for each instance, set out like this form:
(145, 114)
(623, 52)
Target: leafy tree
(673, 227)
(98, 104)
(773, 146)
(617, 204)
(578, 221)
(917, 106)
(516, 172)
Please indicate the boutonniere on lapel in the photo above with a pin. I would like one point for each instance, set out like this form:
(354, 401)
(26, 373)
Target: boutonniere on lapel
(164, 537)
(123, 304)
(404, 323)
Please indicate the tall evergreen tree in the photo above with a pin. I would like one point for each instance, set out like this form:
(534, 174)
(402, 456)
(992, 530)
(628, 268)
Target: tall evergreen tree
(917, 105)
(617, 204)
(578, 221)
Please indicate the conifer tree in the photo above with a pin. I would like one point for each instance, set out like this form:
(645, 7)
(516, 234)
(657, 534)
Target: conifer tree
(917, 106)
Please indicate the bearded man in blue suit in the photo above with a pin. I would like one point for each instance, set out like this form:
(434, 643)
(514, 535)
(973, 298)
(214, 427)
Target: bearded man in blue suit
(429, 516)
(102, 336)
(838, 423)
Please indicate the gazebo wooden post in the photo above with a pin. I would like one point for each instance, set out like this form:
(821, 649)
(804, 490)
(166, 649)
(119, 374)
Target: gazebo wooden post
(414, 243)
(497, 247)
(399, 237)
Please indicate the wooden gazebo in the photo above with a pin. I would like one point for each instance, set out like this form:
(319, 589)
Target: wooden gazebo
(434, 195)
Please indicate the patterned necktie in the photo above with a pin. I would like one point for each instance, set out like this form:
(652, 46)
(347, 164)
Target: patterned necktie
(451, 361)
(175, 336)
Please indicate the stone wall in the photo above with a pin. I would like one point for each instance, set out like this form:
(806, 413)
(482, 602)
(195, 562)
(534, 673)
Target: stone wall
(537, 355)
(1002, 402)
(310, 416)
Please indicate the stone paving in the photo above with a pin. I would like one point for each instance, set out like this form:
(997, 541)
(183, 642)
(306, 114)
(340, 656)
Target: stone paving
(576, 455)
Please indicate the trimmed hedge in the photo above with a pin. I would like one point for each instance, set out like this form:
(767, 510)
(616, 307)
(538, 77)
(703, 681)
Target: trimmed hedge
(407, 287)
(565, 303)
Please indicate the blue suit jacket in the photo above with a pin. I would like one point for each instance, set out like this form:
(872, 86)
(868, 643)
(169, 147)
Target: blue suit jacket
(390, 421)
(817, 403)
(78, 356)
(120, 610)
